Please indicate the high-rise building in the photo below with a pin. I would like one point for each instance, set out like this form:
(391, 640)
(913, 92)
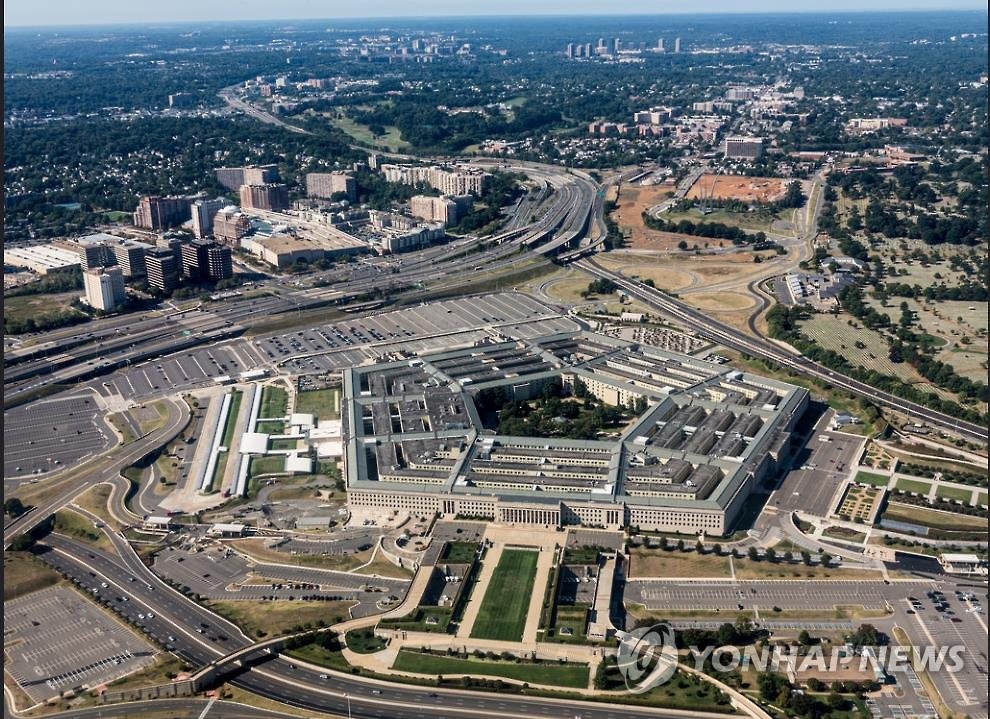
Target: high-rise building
(743, 148)
(272, 196)
(660, 45)
(616, 46)
(206, 260)
(181, 99)
(104, 287)
(446, 209)
(677, 45)
(219, 262)
(233, 177)
(160, 213)
(449, 179)
(230, 225)
(94, 250)
(587, 49)
(327, 184)
(202, 215)
(130, 256)
(164, 269)
(569, 52)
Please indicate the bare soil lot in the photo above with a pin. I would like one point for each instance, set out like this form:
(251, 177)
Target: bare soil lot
(747, 189)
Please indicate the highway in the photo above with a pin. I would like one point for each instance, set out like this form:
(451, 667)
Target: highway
(758, 347)
(178, 619)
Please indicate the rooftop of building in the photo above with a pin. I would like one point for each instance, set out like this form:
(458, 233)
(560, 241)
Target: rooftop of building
(416, 424)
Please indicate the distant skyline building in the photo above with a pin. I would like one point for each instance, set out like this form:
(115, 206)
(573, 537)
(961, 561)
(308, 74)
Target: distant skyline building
(104, 287)
(743, 148)
(660, 47)
(677, 45)
(160, 213)
(273, 197)
(233, 177)
(327, 184)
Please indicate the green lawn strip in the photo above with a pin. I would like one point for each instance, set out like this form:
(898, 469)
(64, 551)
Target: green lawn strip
(283, 443)
(231, 423)
(877, 480)
(982, 499)
(218, 471)
(459, 552)
(274, 401)
(574, 618)
(913, 485)
(322, 403)
(266, 465)
(503, 609)
(275, 426)
(417, 620)
(962, 495)
(934, 519)
(549, 673)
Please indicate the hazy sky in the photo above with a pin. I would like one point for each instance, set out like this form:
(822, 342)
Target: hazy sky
(76, 12)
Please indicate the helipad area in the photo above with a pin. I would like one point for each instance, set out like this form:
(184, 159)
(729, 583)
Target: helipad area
(703, 438)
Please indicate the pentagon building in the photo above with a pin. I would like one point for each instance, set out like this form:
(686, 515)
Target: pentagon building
(702, 438)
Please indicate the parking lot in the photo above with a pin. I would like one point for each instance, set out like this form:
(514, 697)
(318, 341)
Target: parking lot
(214, 573)
(57, 640)
(904, 698)
(414, 329)
(52, 434)
(764, 595)
(818, 471)
(182, 371)
(957, 624)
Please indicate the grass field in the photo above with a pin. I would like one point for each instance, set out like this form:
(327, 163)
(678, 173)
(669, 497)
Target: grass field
(503, 609)
(912, 485)
(391, 140)
(322, 403)
(22, 574)
(962, 495)
(548, 673)
(266, 465)
(753, 221)
(274, 402)
(28, 306)
(876, 480)
(73, 524)
(261, 619)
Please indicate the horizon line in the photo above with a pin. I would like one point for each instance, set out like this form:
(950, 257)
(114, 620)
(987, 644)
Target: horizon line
(688, 13)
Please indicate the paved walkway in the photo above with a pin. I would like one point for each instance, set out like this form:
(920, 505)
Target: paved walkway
(544, 565)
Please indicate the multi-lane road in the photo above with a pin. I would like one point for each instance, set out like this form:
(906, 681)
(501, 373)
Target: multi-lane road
(177, 622)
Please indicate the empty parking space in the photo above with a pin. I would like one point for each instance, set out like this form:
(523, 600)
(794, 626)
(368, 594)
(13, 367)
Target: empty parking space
(56, 640)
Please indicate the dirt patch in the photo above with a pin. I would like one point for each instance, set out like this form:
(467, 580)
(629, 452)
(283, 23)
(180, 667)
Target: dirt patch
(747, 189)
(724, 301)
(632, 202)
